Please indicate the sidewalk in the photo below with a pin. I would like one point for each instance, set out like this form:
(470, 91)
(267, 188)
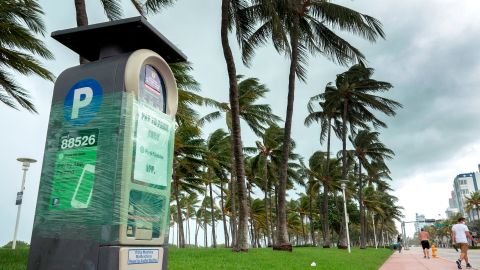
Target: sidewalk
(413, 260)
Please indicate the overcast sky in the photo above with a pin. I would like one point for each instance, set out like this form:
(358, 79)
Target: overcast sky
(430, 55)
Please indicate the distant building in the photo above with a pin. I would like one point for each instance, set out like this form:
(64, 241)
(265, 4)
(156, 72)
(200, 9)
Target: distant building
(419, 222)
(452, 209)
(463, 185)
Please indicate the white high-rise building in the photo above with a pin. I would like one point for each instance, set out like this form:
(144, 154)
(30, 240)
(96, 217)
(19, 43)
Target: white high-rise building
(452, 209)
(463, 185)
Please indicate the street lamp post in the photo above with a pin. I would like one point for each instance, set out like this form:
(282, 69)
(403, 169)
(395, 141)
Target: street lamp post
(25, 165)
(343, 185)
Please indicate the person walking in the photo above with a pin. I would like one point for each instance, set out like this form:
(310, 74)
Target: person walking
(423, 236)
(460, 233)
(399, 243)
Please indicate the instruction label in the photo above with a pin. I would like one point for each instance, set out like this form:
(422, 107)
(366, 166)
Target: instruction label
(143, 256)
(74, 174)
(154, 132)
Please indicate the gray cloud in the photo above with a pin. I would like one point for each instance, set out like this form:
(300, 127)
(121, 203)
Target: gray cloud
(430, 56)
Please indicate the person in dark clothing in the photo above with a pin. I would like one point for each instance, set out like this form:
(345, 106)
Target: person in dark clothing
(399, 243)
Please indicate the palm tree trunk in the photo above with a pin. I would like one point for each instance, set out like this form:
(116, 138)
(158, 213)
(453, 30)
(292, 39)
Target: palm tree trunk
(187, 219)
(213, 216)
(310, 217)
(282, 232)
(303, 228)
(82, 19)
(232, 187)
(173, 231)
(325, 221)
(205, 218)
(196, 232)
(181, 241)
(270, 212)
(225, 230)
(242, 234)
(342, 241)
(252, 235)
(265, 172)
(363, 224)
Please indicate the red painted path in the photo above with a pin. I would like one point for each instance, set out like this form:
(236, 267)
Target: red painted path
(413, 260)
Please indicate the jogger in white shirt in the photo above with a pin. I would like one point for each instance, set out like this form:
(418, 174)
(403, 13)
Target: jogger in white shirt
(460, 233)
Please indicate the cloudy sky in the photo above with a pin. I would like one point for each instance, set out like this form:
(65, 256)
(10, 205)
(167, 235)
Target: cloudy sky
(430, 55)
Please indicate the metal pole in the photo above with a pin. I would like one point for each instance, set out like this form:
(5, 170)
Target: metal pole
(405, 243)
(25, 164)
(346, 216)
(374, 234)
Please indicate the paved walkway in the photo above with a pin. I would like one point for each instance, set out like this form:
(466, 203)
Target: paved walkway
(412, 259)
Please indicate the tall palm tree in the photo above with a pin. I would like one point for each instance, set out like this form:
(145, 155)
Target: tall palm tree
(473, 202)
(256, 116)
(232, 18)
(187, 163)
(20, 20)
(268, 148)
(299, 28)
(324, 117)
(113, 10)
(354, 93)
(330, 116)
(216, 158)
(367, 148)
(188, 144)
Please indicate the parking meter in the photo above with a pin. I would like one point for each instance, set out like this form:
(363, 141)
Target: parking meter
(104, 195)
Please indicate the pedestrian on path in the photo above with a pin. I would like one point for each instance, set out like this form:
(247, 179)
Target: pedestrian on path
(423, 236)
(460, 233)
(399, 243)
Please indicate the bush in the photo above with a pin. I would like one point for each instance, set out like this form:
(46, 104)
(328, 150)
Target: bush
(20, 244)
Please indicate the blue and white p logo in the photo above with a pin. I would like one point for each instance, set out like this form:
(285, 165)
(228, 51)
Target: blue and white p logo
(82, 102)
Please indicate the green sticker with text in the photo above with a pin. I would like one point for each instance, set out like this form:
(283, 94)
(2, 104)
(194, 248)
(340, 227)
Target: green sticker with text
(74, 173)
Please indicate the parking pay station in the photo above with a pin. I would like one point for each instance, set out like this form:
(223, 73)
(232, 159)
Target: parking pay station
(104, 193)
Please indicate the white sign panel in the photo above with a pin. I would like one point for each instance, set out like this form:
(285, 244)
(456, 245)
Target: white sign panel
(143, 256)
(152, 142)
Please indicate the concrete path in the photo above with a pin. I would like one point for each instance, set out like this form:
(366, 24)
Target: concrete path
(412, 259)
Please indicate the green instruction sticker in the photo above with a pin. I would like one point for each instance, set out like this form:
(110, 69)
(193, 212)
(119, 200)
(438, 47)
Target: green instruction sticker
(154, 131)
(74, 174)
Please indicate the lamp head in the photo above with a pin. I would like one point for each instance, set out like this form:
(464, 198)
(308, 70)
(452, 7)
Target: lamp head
(26, 162)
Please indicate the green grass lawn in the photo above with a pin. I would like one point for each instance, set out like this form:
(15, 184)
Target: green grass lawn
(13, 259)
(212, 259)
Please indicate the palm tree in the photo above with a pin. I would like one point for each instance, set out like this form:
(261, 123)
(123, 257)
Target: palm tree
(268, 148)
(187, 164)
(367, 148)
(258, 219)
(354, 93)
(113, 10)
(297, 28)
(188, 96)
(19, 20)
(189, 203)
(216, 158)
(325, 117)
(473, 202)
(256, 116)
(188, 144)
(231, 17)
